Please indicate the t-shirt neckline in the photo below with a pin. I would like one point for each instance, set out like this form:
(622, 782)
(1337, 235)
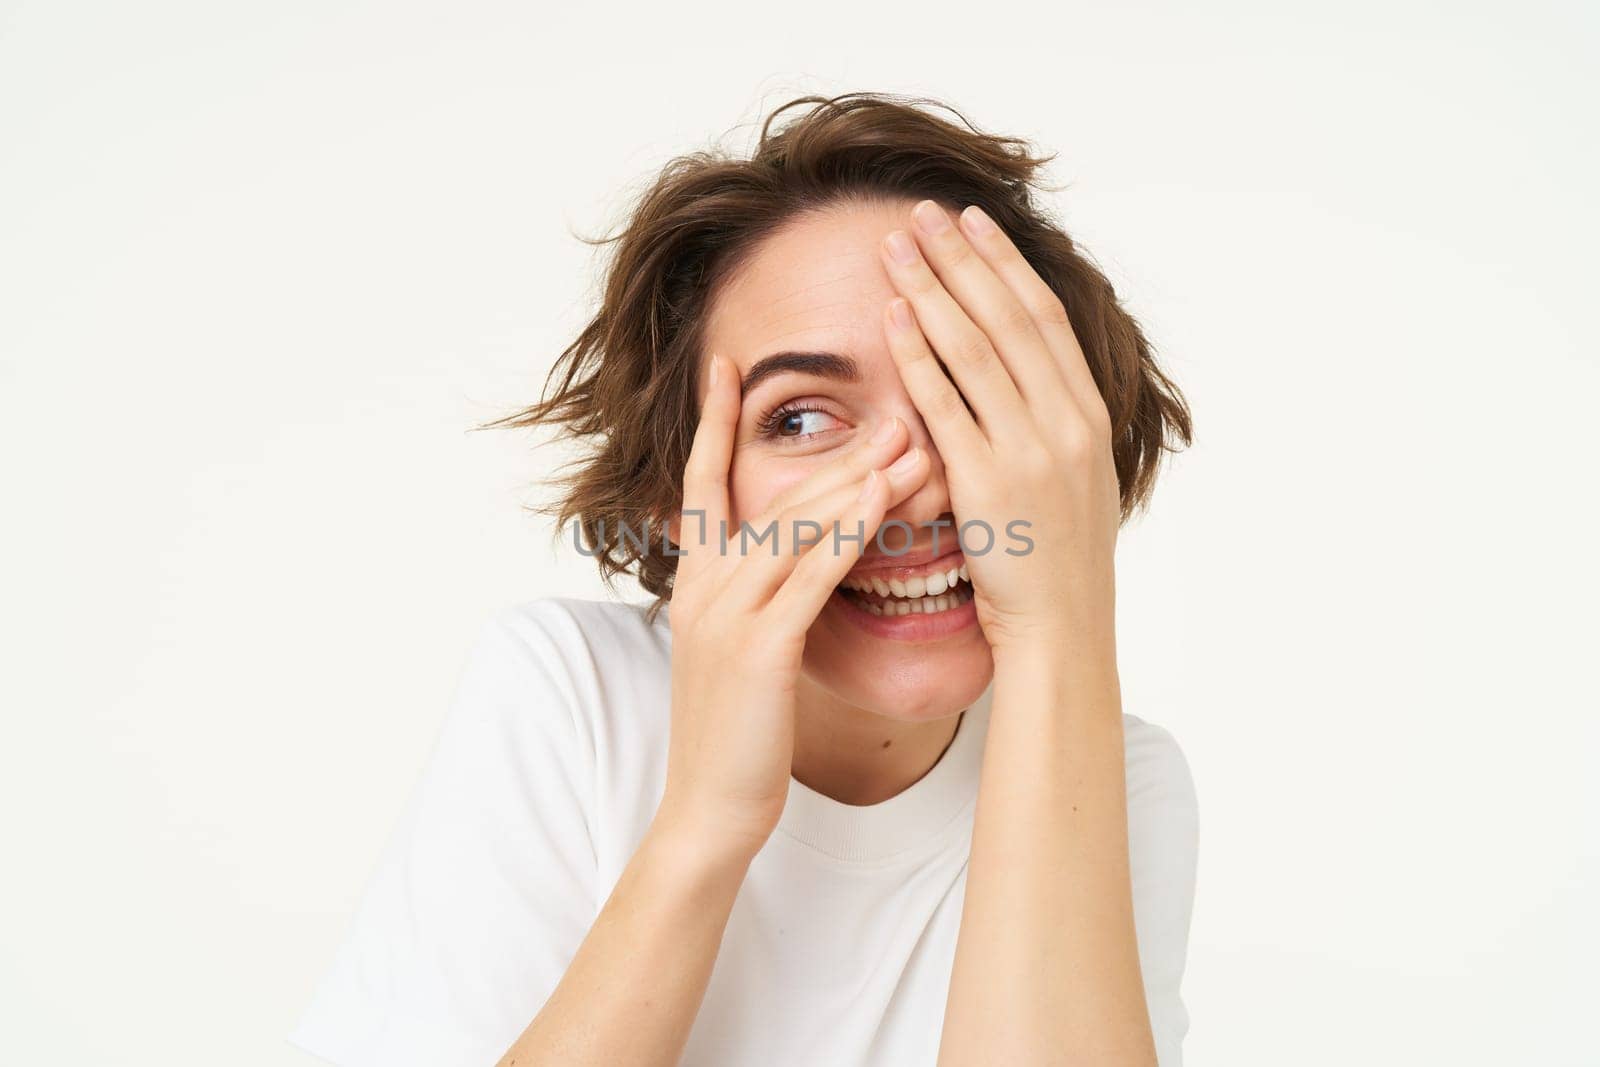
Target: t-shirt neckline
(908, 822)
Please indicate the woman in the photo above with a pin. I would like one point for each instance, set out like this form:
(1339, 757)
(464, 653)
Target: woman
(862, 791)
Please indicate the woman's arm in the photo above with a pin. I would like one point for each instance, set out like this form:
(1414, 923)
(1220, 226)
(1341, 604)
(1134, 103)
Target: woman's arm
(632, 991)
(1047, 965)
(739, 624)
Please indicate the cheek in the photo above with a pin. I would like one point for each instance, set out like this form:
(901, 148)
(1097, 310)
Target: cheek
(755, 482)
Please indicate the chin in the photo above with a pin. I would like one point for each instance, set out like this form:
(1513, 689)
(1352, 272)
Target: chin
(908, 668)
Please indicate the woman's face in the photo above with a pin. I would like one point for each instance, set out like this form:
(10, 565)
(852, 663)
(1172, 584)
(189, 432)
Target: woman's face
(818, 286)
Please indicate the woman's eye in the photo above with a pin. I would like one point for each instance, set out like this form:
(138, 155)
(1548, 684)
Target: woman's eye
(801, 423)
(796, 423)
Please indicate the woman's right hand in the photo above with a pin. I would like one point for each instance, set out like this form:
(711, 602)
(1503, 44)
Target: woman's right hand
(739, 622)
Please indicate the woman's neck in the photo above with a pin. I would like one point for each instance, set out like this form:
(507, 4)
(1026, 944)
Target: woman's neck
(857, 757)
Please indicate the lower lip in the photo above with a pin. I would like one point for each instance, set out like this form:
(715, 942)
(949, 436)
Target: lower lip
(910, 627)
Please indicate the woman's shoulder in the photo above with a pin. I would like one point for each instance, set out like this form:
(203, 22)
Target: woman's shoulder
(580, 635)
(1161, 790)
(601, 659)
(577, 620)
(1150, 743)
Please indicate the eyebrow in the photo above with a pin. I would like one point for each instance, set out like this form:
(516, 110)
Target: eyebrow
(818, 364)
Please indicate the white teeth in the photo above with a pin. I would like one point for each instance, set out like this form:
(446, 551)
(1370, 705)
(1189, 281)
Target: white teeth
(923, 594)
(923, 605)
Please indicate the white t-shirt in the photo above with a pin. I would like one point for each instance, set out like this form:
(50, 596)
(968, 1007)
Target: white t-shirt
(544, 778)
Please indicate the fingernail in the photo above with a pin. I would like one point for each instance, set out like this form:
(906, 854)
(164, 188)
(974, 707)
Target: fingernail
(885, 431)
(931, 217)
(868, 485)
(900, 309)
(716, 365)
(901, 248)
(978, 221)
(905, 464)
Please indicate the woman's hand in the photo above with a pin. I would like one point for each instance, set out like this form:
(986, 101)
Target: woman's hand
(739, 621)
(1032, 458)
(1048, 942)
(739, 626)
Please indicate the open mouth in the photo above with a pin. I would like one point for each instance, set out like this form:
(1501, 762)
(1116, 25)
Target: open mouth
(928, 592)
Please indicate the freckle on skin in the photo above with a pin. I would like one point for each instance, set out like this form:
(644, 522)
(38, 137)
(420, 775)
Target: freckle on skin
(886, 744)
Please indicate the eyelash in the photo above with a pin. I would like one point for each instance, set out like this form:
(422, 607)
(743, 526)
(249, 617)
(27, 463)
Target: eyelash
(770, 422)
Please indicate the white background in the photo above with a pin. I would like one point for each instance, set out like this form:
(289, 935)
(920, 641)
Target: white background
(262, 266)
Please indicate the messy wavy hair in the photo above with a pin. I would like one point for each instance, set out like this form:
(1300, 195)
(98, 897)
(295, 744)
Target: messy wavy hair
(625, 388)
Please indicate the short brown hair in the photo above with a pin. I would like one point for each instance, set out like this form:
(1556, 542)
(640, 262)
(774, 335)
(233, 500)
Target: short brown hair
(626, 387)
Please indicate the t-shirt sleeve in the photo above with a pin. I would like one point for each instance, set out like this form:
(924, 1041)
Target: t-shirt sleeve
(1163, 833)
(486, 887)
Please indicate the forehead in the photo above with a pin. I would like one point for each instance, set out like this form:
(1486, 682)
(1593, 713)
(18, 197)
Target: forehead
(816, 284)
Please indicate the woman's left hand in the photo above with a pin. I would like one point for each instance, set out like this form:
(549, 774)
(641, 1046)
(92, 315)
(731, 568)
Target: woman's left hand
(1032, 458)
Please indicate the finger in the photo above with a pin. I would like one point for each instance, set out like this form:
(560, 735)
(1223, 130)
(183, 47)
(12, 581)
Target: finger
(808, 528)
(994, 308)
(705, 474)
(818, 573)
(887, 443)
(943, 410)
(964, 348)
(1045, 307)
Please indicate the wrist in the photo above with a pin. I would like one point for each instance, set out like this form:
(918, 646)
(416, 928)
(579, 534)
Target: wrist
(681, 882)
(1068, 617)
(1071, 668)
(1069, 642)
(702, 844)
